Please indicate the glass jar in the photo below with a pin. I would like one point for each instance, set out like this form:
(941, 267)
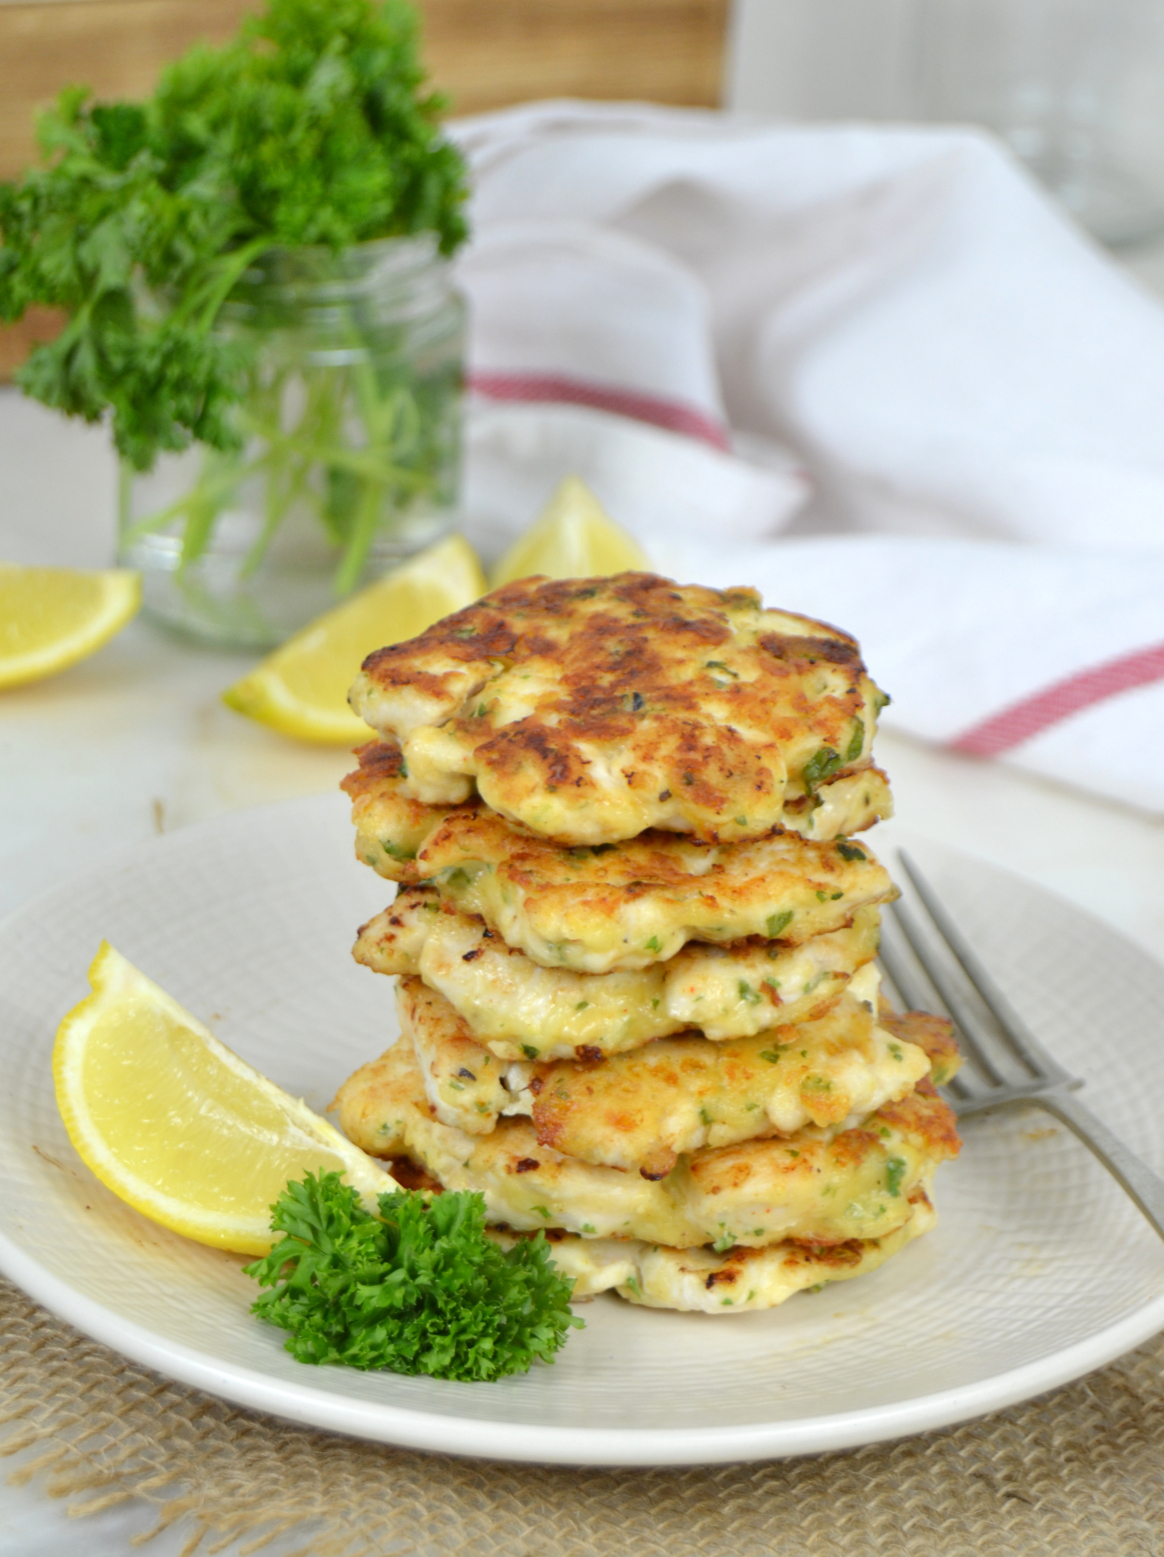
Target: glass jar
(350, 427)
(1073, 86)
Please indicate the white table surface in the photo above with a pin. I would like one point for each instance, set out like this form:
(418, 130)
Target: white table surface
(135, 740)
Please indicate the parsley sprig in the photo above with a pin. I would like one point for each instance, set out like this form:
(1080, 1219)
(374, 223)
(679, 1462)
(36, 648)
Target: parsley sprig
(419, 1289)
(310, 128)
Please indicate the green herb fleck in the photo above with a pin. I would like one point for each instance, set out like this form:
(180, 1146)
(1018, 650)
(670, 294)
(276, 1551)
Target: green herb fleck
(419, 1288)
(653, 944)
(543, 1211)
(820, 767)
(395, 852)
(778, 923)
(719, 665)
(724, 1242)
(850, 851)
(856, 741)
(529, 1051)
(587, 1227)
(752, 996)
(894, 1173)
(582, 1005)
(896, 1050)
(773, 1056)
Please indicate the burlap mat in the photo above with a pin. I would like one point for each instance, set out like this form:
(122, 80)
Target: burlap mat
(1079, 1473)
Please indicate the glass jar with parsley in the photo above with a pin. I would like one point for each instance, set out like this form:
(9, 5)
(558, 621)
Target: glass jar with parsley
(348, 432)
(253, 269)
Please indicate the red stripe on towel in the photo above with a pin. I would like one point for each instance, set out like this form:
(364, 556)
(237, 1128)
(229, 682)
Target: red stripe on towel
(1032, 715)
(549, 388)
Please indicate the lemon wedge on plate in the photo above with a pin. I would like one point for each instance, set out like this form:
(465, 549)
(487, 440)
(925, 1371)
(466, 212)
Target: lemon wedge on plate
(302, 688)
(573, 537)
(177, 1125)
(52, 617)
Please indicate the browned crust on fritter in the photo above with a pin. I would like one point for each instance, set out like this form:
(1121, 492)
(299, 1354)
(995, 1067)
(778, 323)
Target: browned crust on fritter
(378, 783)
(379, 762)
(413, 1175)
(927, 1118)
(825, 881)
(934, 1034)
(635, 670)
(922, 1117)
(383, 811)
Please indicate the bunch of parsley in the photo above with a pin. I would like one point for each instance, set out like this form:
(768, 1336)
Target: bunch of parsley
(309, 128)
(419, 1289)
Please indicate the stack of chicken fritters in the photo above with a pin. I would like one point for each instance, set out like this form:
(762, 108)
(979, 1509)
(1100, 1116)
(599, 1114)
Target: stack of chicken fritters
(634, 941)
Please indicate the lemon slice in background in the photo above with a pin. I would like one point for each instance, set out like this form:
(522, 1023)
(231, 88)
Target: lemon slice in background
(52, 617)
(177, 1125)
(573, 537)
(302, 688)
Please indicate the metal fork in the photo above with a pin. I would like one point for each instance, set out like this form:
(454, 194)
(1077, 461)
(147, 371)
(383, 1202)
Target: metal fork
(1008, 1063)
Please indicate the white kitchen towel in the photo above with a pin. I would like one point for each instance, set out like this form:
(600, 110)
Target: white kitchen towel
(961, 373)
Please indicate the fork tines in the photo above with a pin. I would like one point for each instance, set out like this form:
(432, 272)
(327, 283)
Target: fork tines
(930, 963)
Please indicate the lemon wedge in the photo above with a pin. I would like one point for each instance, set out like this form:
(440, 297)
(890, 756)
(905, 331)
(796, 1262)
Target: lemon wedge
(302, 688)
(573, 537)
(177, 1125)
(52, 617)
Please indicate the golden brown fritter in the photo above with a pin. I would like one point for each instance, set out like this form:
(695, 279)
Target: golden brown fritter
(591, 709)
(640, 1111)
(630, 904)
(827, 1189)
(521, 1010)
(392, 828)
(934, 1034)
(740, 1281)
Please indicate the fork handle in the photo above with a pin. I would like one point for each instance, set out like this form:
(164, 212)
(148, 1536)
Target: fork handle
(1145, 1187)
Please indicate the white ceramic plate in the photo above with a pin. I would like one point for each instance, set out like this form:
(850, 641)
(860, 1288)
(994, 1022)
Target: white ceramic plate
(1039, 1270)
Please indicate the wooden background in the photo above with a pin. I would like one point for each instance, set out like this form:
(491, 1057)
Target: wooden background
(482, 53)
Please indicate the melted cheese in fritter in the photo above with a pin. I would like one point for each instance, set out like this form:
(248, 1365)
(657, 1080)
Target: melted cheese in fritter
(742, 1281)
(591, 709)
(855, 1184)
(392, 828)
(643, 1109)
(521, 1010)
(627, 905)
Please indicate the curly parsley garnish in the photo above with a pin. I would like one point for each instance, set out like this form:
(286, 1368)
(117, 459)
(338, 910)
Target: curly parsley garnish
(418, 1289)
